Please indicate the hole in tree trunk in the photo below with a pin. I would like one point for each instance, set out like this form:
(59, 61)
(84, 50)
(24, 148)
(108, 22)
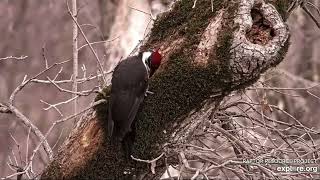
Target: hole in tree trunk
(261, 31)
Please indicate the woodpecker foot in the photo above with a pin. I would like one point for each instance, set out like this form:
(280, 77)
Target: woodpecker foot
(148, 92)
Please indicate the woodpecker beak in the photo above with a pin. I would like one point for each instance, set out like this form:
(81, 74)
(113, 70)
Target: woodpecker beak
(152, 71)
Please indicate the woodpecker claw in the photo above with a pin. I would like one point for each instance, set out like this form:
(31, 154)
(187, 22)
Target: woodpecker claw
(148, 92)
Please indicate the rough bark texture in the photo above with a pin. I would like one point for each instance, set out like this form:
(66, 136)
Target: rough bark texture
(236, 40)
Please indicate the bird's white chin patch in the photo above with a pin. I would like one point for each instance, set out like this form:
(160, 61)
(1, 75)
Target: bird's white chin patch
(145, 56)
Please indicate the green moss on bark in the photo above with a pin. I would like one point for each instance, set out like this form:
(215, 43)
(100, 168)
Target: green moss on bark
(183, 86)
(184, 21)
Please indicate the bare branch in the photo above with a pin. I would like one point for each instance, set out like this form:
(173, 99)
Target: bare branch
(51, 106)
(44, 57)
(79, 81)
(153, 162)
(68, 91)
(152, 17)
(14, 58)
(4, 109)
(28, 167)
(57, 141)
(302, 3)
(98, 42)
(25, 82)
(34, 129)
(311, 15)
(27, 144)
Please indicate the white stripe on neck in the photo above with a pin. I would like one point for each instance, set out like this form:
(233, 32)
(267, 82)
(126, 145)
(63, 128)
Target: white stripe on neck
(145, 56)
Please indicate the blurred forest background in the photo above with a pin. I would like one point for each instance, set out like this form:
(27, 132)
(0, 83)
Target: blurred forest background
(39, 29)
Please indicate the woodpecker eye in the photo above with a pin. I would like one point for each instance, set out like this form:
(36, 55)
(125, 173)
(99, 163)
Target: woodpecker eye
(148, 61)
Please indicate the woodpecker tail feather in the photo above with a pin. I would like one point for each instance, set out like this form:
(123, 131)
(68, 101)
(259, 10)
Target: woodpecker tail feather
(110, 122)
(127, 143)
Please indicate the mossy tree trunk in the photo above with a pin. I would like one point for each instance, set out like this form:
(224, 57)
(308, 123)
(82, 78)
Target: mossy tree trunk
(209, 51)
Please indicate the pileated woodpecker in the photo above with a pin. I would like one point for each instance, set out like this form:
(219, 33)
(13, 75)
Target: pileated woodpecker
(129, 87)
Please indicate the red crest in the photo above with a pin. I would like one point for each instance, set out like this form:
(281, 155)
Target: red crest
(156, 59)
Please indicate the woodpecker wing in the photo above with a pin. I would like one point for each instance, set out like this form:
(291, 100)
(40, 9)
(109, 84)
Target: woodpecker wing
(129, 84)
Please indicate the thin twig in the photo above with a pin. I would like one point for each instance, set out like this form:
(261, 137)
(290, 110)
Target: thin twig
(149, 14)
(34, 129)
(44, 57)
(152, 162)
(311, 15)
(98, 42)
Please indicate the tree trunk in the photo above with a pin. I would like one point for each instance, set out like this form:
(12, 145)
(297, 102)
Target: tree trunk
(209, 51)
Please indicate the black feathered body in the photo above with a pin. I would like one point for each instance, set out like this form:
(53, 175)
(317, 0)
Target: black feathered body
(129, 85)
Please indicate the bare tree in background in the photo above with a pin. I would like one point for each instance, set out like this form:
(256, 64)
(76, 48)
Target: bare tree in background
(32, 44)
(75, 53)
